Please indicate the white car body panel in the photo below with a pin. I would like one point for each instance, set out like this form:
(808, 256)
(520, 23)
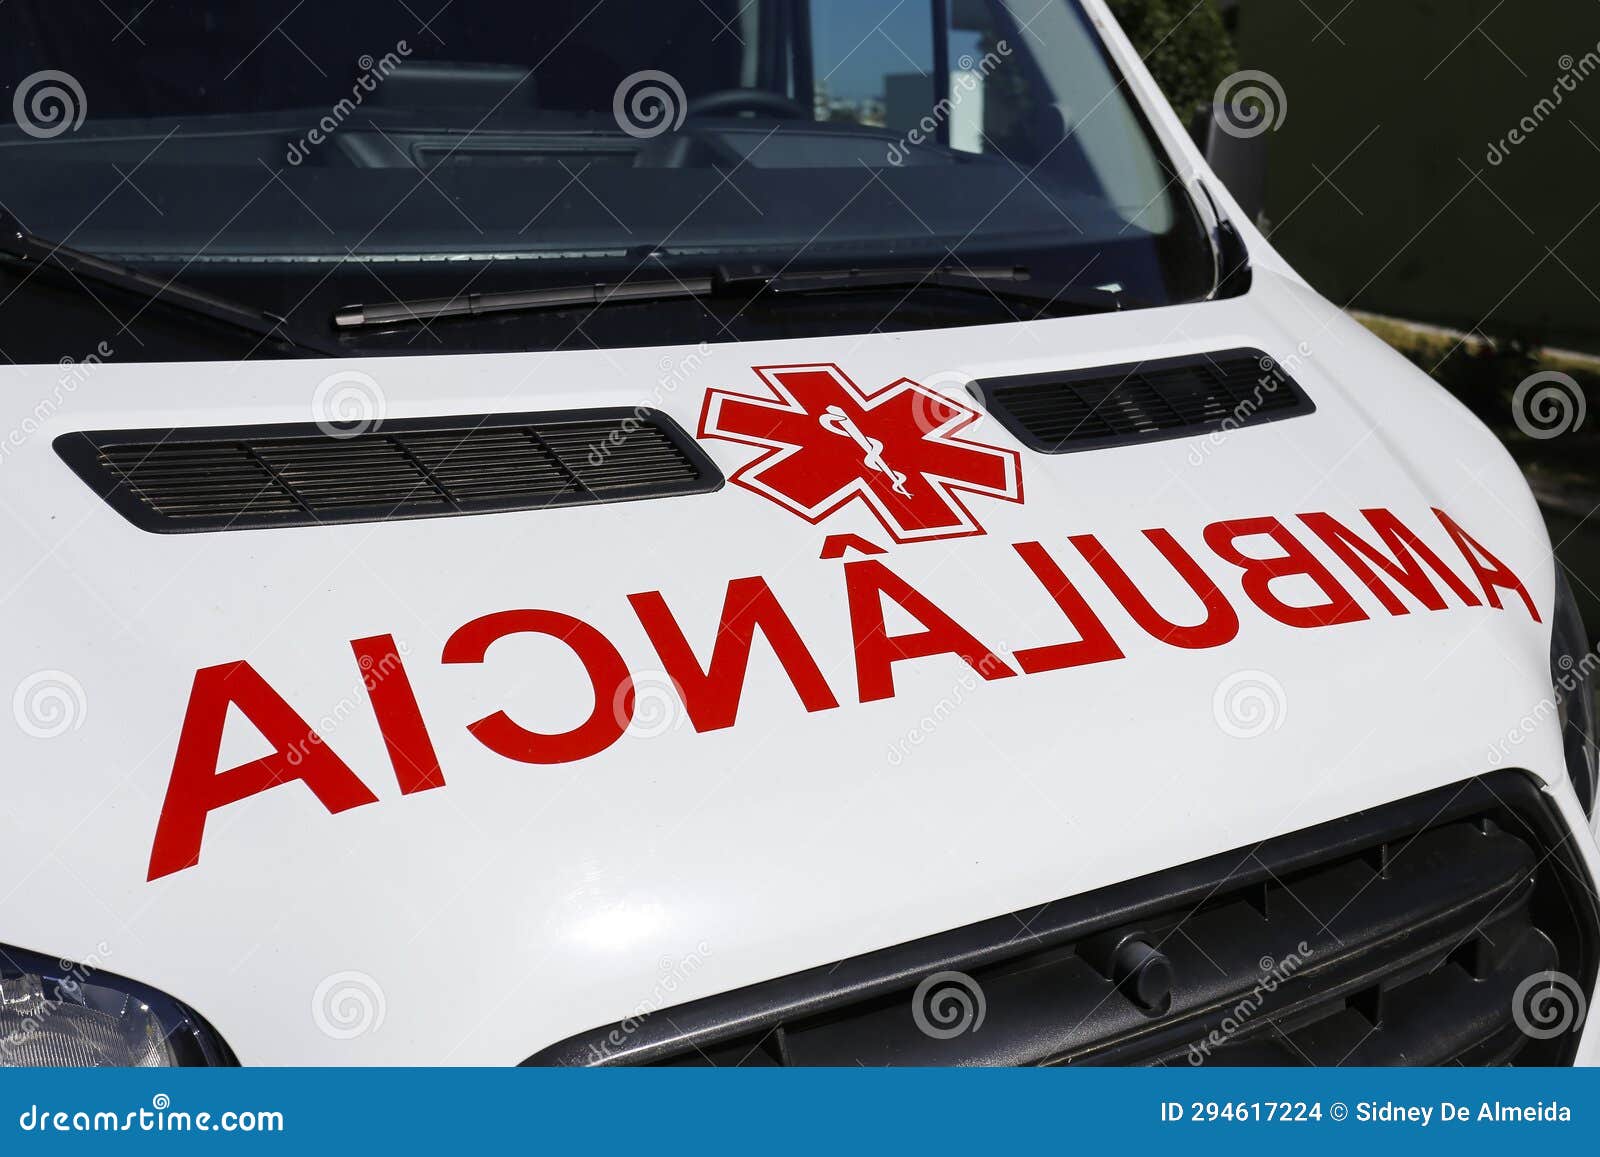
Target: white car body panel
(520, 904)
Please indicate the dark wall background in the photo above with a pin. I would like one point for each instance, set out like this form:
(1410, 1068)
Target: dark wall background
(1435, 162)
(1394, 180)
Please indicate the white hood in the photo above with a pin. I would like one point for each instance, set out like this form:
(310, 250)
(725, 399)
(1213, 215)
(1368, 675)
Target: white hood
(520, 903)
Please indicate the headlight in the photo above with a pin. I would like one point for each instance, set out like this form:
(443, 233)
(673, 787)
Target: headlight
(1571, 668)
(57, 1014)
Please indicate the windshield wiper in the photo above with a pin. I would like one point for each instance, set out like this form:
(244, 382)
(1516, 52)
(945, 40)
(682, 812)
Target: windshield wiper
(1005, 283)
(1011, 283)
(17, 242)
(478, 304)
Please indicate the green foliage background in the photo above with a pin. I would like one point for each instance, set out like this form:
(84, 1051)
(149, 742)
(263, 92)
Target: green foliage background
(1195, 53)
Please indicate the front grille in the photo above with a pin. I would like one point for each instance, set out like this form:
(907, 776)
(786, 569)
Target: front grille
(1064, 413)
(1453, 927)
(231, 478)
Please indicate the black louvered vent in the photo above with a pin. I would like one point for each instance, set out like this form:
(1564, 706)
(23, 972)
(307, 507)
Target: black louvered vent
(233, 478)
(1428, 931)
(1143, 402)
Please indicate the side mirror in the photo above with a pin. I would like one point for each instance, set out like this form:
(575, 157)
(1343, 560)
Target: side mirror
(1238, 159)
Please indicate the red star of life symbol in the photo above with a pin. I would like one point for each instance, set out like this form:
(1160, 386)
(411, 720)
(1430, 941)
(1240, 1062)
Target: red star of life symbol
(826, 443)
